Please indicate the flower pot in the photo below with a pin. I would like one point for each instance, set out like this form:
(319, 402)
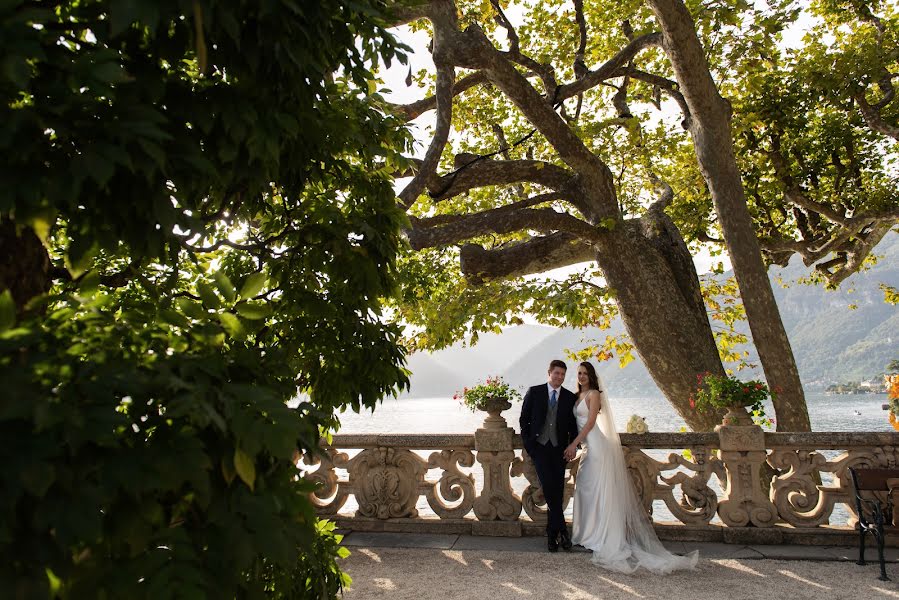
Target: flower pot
(493, 407)
(737, 415)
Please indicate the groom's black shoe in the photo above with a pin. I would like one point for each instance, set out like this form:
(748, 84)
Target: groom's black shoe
(565, 541)
(552, 542)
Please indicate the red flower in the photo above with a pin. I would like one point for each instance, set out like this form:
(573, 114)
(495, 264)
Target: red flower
(759, 386)
(692, 402)
(745, 390)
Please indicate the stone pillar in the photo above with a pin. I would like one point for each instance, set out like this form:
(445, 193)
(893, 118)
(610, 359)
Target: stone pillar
(497, 507)
(744, 502)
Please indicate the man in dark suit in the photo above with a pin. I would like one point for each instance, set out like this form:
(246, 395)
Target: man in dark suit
(547, 428)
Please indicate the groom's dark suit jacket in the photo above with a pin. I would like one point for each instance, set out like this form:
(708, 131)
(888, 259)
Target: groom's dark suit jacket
(533, 416)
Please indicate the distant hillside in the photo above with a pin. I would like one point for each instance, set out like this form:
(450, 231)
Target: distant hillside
(831, 342)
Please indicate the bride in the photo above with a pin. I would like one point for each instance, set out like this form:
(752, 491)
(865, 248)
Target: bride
(608, 517)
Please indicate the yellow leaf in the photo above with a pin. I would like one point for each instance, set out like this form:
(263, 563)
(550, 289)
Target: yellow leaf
(246, 468)
(228, 471)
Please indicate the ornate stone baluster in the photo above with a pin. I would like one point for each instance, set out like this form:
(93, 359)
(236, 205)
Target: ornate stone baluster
(698, 503)
(387, 482)
(332, 494)
(532, 499)
(744, 501)
(453, 486)
(497, 501)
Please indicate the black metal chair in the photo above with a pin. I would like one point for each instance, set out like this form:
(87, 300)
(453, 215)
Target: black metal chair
(875, 516)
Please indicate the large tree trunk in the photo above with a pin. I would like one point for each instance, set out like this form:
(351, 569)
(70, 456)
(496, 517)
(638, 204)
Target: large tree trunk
(710, 130)
(657, 291)
(24, 263)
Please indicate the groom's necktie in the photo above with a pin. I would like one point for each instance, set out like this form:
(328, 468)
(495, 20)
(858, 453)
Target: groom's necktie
(552, 399)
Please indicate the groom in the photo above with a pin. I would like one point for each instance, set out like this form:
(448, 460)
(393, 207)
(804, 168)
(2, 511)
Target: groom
(547, 427)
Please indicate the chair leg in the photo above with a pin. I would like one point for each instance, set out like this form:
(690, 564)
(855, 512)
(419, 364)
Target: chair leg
(861, 546)
(883, 569)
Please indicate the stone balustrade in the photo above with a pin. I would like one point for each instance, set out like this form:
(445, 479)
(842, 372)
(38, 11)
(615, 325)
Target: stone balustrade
(739, 484)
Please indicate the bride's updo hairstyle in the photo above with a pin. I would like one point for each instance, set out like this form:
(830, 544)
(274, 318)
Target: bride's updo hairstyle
(591, 377)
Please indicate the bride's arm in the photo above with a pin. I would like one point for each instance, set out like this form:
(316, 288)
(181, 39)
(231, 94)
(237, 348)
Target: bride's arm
(594, 403)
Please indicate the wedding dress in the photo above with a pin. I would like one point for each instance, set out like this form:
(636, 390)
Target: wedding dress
(608, 517)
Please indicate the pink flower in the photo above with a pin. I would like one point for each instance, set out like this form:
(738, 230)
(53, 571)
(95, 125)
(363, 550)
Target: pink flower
(692, 402)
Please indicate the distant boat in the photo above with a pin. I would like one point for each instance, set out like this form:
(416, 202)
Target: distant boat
(856, 413)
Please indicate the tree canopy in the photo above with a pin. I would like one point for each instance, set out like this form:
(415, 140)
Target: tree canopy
(561, 137)
(192, 236)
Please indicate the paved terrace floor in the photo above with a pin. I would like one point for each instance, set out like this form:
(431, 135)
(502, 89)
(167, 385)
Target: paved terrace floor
(400, 566)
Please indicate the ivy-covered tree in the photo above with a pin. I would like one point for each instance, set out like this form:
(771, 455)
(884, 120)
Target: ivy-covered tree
(562, 156)
(192, 235)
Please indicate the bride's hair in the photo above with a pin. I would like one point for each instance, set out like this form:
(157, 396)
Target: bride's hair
(592, 379)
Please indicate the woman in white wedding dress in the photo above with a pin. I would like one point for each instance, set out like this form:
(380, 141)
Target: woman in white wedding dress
(608, 517)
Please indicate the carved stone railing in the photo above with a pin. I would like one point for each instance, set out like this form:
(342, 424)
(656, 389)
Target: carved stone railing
(739, 484)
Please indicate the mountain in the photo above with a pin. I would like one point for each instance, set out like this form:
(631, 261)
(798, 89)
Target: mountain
(848, 334)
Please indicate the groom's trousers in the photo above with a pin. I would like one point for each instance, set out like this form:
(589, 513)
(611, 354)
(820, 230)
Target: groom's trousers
(550, 465)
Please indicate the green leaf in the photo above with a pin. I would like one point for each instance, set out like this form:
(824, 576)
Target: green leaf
(608, 223)
(253, 285)
(246, 468)
(7, 310)
(208, 295)
(225, 286)
(80, 255)
(232, 324)
(192, 309)
(41, 224)
(89, 283)
(254, 310)
(173, 317)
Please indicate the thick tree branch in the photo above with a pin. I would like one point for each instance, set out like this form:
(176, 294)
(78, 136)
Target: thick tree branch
(419, 107)
(580, 67)
(408, 11)
(445, 78)
(793, 191)
(873, 118)
(620, 60)
(662, 83)
(498, 172)
(537, 255)
(501, 220)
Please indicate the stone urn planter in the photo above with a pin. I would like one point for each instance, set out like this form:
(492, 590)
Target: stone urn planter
(494, 406)
(497, 507)
(737, 416)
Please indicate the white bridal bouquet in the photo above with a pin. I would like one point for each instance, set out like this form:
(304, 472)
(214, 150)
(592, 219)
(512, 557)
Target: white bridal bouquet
(636, 424)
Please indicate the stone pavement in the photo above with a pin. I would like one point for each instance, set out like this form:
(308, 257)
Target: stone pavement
(709, 550)
(413, 566)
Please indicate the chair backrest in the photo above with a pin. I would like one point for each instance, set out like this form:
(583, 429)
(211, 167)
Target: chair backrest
(872, 479)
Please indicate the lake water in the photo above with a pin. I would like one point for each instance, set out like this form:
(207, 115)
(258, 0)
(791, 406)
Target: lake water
(444, 415)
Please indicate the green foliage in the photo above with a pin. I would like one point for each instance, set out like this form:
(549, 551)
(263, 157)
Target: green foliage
(210, 181)
(477, 396)
(715, 392)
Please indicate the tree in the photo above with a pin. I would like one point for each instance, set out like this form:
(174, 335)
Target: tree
(559, 162)
(190, 236)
